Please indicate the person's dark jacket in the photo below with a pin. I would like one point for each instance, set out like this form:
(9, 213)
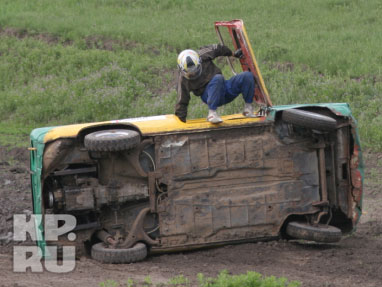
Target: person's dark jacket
(197, 86)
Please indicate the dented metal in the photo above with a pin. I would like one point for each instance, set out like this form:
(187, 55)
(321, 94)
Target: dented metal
(233, 186)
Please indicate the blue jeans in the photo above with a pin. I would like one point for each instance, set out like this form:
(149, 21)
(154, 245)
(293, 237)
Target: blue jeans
(219, 91)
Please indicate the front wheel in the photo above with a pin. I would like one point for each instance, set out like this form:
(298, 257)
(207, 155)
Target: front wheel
(319, 233)
(112, 140)
(105, 254)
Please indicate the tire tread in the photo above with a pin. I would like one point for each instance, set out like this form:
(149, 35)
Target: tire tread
(309, 120)
(319, 233)
(103, 254)
(109, 144)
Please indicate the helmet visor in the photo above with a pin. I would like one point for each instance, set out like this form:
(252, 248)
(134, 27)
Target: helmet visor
(193, 72)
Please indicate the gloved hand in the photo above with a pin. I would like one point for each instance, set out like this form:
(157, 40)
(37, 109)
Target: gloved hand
(238, 54)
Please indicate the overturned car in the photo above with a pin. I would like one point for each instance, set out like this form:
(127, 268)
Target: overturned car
(156, 184)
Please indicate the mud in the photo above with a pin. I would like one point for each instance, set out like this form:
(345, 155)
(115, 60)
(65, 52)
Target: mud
(355, 261)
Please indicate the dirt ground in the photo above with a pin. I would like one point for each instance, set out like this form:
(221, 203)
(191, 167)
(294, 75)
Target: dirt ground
(355, 261)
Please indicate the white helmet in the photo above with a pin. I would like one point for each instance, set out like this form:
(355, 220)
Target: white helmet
(190, 64)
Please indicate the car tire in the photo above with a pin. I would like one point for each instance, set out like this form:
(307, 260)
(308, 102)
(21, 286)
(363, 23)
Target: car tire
(320, 233)
(102, 253)
(112, 140)
(309, 120)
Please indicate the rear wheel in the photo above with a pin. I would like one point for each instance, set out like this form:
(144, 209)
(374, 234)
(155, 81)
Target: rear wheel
(112, 140)
(320, 233)
(309, 120)
(105, 254)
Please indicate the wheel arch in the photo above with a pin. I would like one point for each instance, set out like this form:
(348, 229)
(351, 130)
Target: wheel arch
(322, 110)
(303, 218)
(85, 131)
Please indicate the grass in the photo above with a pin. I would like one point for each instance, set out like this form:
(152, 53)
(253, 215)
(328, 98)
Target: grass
(373, 179)
(58, 84)
(328, 35)
(91, 60)
(14, 135)
(224, 279)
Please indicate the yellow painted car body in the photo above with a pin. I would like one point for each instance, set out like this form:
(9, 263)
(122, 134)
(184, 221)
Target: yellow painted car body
(152, 125)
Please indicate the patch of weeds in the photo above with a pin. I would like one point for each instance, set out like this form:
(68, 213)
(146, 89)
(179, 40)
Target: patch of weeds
(275, 53)
(129, 282)
(12, 135)
(251, 278)
(147, 281)
(224, 279)
(179, 280)
(109, 283)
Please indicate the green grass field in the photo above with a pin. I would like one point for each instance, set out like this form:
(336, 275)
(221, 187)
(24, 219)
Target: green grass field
(87, 60)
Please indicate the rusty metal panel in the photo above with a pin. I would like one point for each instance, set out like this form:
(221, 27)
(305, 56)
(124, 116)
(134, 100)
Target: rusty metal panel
(216, 152)
(245, 184)
(198, 153)
(184, 215)
(239, 216)
(171, 150)
(257, 213)
(331, 174)
(221, 217)
(202, 220)
(343, 169)
(235, 151)
(79, 198)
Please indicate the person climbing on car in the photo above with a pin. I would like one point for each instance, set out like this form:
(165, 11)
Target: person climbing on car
(198, 74)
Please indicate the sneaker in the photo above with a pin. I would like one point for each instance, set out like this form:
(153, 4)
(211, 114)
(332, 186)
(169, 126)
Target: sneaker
(248, 111)
(213, 117)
